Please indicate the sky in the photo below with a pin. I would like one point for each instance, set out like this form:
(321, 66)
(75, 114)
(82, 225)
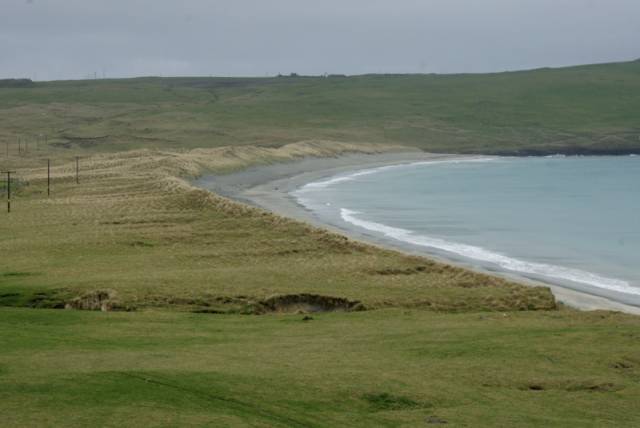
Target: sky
(76, 39)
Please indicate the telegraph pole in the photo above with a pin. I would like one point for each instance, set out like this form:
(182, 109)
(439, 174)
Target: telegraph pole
(48, 177)
(8, 189)
(77, 170)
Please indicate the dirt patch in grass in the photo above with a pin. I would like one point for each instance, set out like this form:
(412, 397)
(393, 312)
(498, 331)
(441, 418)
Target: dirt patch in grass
(307, 303)
(251, 305)
(99, 300)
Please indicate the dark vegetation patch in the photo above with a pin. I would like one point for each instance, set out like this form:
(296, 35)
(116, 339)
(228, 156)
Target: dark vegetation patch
(593, 387)
(469, 283)
(210, 83)
(15, 274)
(206, 304)
(29, 298)
(536, 387)
(306, 303)
(294, 251)
(385, 401)
(82, 142)
(49, 299)
(434, 420)
(396, 271)
(140, 244)
(17, 185)
(571, 386)
(211, 311)
(622, 365)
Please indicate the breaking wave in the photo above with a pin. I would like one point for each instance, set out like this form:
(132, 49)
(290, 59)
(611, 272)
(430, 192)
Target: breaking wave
(484, 255)
(352, 176)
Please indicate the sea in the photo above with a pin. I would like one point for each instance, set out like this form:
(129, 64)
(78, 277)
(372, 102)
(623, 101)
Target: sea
(568, 221)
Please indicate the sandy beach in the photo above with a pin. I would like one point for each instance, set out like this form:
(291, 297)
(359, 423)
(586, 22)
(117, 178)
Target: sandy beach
(269, 187)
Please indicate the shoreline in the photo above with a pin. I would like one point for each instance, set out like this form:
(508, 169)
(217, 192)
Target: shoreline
(269, 187)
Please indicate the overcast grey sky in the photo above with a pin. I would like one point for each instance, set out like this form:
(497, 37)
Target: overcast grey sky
(70, 39)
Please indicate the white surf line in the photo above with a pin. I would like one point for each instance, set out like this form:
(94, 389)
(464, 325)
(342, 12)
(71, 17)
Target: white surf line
(481, 254)
(354, 175)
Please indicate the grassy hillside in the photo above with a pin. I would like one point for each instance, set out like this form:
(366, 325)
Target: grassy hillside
(137, 233)
(389, 368)
(589, 109)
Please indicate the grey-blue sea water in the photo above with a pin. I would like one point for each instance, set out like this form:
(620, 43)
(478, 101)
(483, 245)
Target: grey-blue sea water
(573, 221)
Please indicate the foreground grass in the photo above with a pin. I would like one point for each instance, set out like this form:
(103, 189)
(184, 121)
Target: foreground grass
(589, 109)
(379, 368)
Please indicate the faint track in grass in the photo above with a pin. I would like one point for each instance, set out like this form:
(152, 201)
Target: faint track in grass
(240, 407)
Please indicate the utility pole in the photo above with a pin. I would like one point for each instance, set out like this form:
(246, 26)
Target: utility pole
(77, 170)
(8, 189)
(48, 177)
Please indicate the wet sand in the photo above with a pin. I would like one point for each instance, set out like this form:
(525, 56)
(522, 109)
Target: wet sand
(269, 187)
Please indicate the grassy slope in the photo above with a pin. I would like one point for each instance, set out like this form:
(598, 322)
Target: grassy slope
(579, 109)
(133, 228)
(381, 368)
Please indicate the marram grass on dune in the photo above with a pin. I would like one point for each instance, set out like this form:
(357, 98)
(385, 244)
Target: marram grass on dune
(136, 231)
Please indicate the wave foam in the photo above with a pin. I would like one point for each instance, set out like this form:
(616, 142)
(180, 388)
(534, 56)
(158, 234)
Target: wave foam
(481, 254)
(352, 176)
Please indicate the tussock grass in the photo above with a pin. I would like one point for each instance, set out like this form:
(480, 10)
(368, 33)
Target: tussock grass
(137, 228)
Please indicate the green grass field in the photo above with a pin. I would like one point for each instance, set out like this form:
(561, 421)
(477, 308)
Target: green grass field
(205, 299)
(380, 368)
(580, 109)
